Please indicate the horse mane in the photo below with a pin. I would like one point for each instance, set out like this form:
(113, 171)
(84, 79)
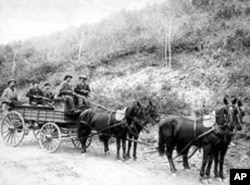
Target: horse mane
(219, 116)
(87, 115)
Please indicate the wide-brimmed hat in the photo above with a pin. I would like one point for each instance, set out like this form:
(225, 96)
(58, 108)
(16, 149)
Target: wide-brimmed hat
(67, 76)
(11, 80)
(47, 84)
(83, 77)
(35, 81)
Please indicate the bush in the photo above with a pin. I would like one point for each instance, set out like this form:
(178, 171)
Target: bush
(39, 72)
(227, 11)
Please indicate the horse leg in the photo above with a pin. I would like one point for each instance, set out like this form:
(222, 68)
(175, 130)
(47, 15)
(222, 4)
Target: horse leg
(83, 133)
(118, 145)
(105, 139)
(206, 151)
(129, 145)
(223, 153)
(216, 159)
(210, 162)
(135, 148)
(124, 137)
(185, 160)
(106, 146)
(169, 153)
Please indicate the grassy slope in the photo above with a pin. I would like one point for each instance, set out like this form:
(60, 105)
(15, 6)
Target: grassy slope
(124, 55)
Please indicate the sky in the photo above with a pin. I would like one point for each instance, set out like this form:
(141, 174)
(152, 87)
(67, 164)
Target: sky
(22, 19)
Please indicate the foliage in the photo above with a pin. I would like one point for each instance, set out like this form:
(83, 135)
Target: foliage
(210, 43)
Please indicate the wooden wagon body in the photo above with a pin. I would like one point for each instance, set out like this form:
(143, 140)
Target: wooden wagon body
(44, 114)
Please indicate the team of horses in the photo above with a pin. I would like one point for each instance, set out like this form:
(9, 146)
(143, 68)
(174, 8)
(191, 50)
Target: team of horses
(175, 132)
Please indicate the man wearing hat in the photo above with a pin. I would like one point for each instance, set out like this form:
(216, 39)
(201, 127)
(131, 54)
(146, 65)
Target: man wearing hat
(47, 91)
(9, 94)
(35, 94)
(82, 89)
(67, 92)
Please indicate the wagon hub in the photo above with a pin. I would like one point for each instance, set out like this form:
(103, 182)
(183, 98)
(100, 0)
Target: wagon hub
(49, 137)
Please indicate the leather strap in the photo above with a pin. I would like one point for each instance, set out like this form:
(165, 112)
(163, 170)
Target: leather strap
(195, 128)
(109, 120)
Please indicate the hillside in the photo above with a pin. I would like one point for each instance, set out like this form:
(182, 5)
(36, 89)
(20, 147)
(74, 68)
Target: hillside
(210, 42)
(125, 59)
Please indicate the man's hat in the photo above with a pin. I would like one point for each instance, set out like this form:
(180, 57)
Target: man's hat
(11, 80)
(83, 77)
(67, 76)
(47, 84)
(35, 81)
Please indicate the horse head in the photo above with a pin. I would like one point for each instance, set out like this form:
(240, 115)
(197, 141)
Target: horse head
(233, 113)
(151, 111)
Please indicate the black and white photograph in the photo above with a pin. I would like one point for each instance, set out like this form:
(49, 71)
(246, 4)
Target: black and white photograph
(134, 92)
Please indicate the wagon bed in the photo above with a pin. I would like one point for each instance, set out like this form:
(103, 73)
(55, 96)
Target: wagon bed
(44, 114)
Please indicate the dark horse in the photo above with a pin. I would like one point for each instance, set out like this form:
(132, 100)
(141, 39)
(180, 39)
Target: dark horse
(106, 125)
(136, 127)
(176, 131)
(226, 137)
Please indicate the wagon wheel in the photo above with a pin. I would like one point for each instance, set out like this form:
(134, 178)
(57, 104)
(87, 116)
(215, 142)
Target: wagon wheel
(78, 145)
(12, 128)
(50, 137)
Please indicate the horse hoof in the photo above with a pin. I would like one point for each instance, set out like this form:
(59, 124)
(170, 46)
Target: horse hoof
(203, 180)
(218, 179)
(186, 168)
(173, 171)
(209, 181)
(83, 152)
(107, 153)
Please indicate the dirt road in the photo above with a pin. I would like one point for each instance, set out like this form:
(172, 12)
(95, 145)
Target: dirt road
(27, 164)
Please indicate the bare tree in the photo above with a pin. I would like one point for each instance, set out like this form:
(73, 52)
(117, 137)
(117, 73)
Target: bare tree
(13, 68)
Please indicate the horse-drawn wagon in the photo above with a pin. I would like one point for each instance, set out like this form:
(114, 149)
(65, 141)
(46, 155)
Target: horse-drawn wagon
(50, 125)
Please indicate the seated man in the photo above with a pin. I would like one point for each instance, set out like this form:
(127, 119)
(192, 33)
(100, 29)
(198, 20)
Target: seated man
(82, 89)
(66, 91)
(9, 94)
(47, 93)
(35, 94)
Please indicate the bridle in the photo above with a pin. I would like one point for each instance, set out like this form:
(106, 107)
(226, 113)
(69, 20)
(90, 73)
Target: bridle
(225, 129)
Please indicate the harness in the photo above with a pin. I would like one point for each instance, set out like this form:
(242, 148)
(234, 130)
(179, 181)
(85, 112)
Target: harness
(217, 129)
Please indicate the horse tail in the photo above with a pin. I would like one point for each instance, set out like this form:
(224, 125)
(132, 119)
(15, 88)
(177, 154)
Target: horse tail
(161, 143)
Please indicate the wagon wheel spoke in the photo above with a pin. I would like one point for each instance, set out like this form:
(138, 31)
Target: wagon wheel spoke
(14, 137)
(9, 137)
(7, 122)
(4, 137)
(53, 144)
(5, 131)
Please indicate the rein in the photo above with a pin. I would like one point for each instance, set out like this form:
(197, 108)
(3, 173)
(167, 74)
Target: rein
(198, 137)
